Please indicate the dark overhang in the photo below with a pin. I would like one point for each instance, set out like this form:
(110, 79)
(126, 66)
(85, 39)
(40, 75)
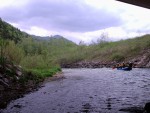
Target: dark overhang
(142, 3)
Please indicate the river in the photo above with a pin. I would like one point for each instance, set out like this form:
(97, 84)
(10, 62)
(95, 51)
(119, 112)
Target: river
(103, 90)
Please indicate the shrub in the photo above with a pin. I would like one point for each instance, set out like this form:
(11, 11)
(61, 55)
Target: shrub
(42, 73)
(13, 52)
(117, 57)
(32, 62)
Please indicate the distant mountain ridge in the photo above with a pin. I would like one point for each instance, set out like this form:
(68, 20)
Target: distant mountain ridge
(7, 31)
(52, 38)
(46, 37)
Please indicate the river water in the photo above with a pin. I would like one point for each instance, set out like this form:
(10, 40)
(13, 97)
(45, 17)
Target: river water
(103, 90)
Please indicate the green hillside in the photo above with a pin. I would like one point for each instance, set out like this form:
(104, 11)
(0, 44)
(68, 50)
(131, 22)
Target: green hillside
(44, 52)
(7, 31)
(31, 51)
(120, 50)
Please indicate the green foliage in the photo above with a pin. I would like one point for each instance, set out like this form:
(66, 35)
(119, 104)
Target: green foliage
(14, 53)
(31, 62)
(7, 31)
(3, 44)
(42, 73)
(37, 54)
(44, 54)
(2, 61)
(120, 50)
(117, 57)
(8, 50)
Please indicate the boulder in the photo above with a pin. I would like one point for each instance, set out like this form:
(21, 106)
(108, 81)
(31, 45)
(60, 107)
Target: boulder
(3, 83)
(18, 73)
(148, 64)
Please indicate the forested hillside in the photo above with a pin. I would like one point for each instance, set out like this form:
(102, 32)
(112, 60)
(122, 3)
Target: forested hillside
(32, 51)
(7, 31)
(43, 52)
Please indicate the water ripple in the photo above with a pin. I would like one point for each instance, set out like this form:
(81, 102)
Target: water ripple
(89, 91)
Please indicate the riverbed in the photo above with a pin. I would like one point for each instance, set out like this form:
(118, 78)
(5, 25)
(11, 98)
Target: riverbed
(100, 90)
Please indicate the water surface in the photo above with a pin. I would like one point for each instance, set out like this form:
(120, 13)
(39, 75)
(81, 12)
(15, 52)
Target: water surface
(89, 91)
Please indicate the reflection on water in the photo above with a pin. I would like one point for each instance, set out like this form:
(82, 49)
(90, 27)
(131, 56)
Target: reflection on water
(89, 91)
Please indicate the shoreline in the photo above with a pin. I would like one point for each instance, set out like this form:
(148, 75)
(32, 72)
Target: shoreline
(18, 90)
(102, 64)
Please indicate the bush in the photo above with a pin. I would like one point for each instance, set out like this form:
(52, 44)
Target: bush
(42, 73)
(32, 62)
(117, 57)
(14, 53)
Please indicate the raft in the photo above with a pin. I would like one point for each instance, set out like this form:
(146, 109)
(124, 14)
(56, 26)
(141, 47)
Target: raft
(124, 68)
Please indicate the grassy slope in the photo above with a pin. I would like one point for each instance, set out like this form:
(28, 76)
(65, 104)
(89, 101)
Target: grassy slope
(120, 50)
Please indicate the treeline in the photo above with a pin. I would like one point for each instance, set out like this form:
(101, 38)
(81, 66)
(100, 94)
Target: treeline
(21, 49)
(9, 32)
(44, 54)
(32, 53)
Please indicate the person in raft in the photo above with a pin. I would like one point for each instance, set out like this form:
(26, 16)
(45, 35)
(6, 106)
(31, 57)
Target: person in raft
(122, 65)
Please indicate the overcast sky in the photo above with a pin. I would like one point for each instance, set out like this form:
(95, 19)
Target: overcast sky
(77, 20)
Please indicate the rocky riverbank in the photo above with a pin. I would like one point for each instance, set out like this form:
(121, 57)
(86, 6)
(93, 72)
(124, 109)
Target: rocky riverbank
(14, 82)
(140, 61)
(88, 64)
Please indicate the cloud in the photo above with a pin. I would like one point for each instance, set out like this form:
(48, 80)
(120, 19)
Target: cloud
(77, 20)
(72, 15)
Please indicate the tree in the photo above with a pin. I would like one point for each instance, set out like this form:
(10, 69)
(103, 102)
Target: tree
(7, 32)
(82, 43)
(103, 38)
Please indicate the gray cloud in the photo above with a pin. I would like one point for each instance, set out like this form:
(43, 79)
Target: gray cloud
(67, 15)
